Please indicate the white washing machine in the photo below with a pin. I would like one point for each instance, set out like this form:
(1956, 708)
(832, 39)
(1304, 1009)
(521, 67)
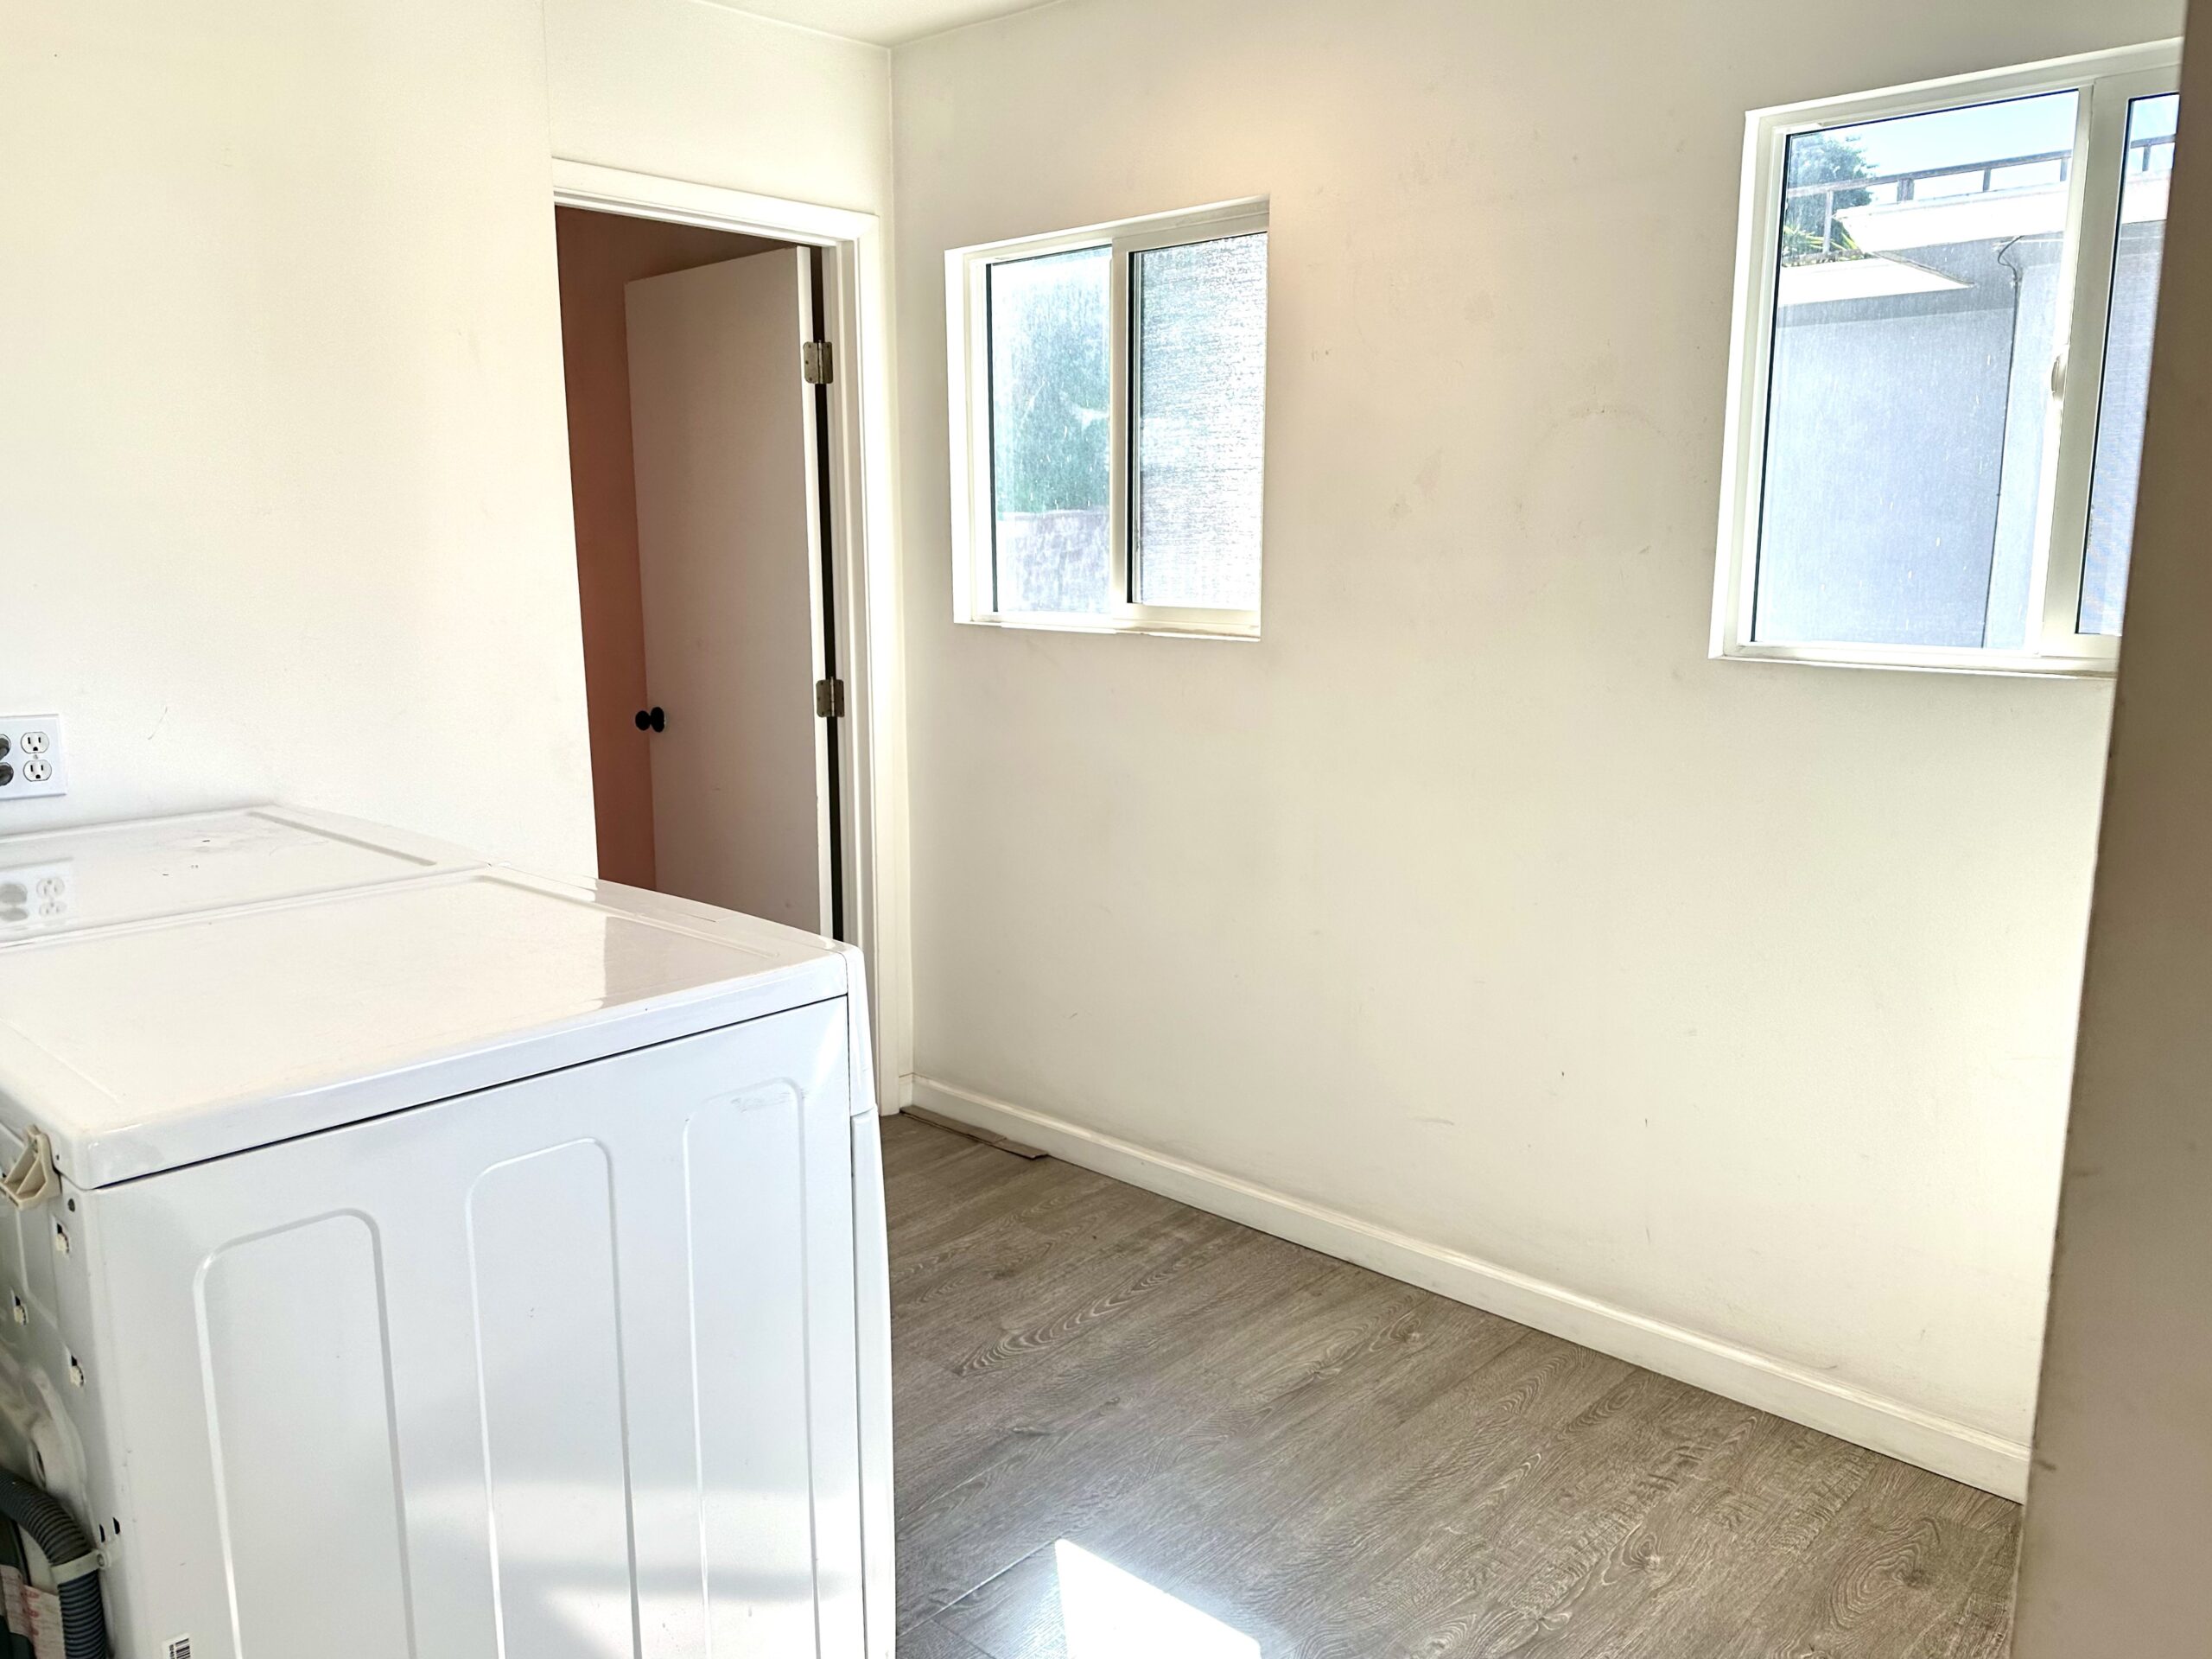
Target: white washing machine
(417, 1257)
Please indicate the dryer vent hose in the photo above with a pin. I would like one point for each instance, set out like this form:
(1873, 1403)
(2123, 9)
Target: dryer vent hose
(84, 1619)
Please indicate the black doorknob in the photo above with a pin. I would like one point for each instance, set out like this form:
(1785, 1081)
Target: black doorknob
(652, 719)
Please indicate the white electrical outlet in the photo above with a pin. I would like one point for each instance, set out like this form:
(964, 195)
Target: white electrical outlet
(35, 896)
(32, 758)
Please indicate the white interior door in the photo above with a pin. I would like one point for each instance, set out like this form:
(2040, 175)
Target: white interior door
(730, 561)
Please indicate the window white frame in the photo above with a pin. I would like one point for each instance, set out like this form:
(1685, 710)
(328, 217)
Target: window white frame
(967, 272)
(2106, 83)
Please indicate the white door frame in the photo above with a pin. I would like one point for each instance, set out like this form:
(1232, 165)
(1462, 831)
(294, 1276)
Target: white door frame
(863, 564)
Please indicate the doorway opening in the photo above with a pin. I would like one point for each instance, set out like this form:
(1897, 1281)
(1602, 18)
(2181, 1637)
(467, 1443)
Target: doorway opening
(860, 889)
(696, 370)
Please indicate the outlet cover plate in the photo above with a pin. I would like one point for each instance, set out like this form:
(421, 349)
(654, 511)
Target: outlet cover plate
(35, 744)
(34, 897)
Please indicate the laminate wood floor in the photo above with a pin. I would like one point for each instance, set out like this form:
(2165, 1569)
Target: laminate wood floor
(1128, 1429)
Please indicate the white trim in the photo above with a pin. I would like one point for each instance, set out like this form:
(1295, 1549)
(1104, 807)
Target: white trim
(1945, 92)
(1938, 659)
(648, 196)
(967, 272)
(2053, 647)
(1168, 228)
(2104, 132)
(1950, 1448)
(864, 543)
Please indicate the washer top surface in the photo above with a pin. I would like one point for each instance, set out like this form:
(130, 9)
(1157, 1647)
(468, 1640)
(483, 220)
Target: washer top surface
(282, 980)
(64, 880)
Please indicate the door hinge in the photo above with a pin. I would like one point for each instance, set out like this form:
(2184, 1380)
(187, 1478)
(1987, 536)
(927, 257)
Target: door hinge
(829, 699)
(815, 363)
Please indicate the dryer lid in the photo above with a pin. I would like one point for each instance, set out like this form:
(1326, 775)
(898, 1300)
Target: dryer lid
(107, 874)
(142, 1046)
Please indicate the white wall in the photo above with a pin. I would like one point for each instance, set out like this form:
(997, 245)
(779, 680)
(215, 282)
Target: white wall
(282, 490)
(283, 509)
(687, 89)
(2113, 1557)
(1474, 903)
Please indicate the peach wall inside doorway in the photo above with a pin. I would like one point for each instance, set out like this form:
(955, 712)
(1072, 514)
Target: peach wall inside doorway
(599, 253)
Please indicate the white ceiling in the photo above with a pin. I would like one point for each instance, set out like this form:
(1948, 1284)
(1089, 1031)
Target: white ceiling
(887, 22)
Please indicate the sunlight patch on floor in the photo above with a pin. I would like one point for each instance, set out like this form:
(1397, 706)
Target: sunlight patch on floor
(1107, 1613)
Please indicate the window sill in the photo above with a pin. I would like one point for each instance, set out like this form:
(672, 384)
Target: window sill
(1933, 659)
(1163, 628)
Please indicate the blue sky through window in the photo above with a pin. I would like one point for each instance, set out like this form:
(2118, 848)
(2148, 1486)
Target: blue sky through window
(1967, 138)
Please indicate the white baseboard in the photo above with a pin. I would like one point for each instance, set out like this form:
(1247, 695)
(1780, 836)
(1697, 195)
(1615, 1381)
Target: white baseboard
(1889, 1427)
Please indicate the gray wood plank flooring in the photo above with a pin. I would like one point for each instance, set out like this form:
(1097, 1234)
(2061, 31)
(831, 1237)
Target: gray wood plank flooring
(1315, 1462)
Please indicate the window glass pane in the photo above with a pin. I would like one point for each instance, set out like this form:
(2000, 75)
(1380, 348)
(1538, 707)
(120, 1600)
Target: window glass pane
(1201, 394)
(1050, 399)
(1916, 312)
(2128, 360)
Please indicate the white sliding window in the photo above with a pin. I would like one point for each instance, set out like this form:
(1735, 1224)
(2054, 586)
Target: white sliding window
(1944, 305)
(1108, 414)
